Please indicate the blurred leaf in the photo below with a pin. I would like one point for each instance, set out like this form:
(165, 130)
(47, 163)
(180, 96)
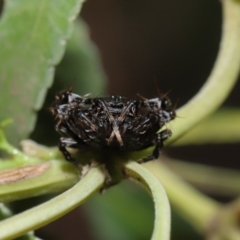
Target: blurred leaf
(32, 39)
(80, 68)
(221, 127)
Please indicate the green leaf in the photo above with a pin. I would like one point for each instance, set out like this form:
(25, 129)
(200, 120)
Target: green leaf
(32, 41)
(80, 69)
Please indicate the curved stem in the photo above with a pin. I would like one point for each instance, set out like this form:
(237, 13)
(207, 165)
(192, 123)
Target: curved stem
(47, 212)
(162, 209)
(222, 78)
(194, 206)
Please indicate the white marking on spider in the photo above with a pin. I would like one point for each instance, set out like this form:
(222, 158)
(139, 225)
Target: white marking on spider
(115, 133)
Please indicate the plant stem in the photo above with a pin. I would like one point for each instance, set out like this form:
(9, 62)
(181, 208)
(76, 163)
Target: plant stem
(219, 128)
(215, 180)
(222, 77)
(194, 206)
(37, 179)
(47, 212)
(5, 212)
(162, 209)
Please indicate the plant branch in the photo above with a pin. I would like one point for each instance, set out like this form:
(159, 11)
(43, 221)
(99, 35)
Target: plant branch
(47, 212)
(222, 77)
(37, 179)
(194, 206)
(162, 209)
(221, 127)
(215, 180)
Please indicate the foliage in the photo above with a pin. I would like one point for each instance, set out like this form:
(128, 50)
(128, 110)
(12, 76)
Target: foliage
(29, 53)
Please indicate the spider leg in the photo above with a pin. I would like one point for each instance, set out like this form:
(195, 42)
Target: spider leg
(63, 129)
(160, 138)
(68, 142)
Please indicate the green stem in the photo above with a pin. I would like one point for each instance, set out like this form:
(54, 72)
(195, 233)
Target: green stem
(47, 212)
(221, 127)
(225, 224)
(215, 180)
(5, 212)
(162, 209)
(194, 206)
(222, 78)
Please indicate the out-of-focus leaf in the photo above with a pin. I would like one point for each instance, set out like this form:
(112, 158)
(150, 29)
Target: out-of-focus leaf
(32, 40)
(81, 69)
(221, 127)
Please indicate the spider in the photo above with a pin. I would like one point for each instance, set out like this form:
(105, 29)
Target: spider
(113, 123)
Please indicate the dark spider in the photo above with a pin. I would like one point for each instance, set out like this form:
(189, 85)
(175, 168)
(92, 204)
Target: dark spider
(111, 123)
